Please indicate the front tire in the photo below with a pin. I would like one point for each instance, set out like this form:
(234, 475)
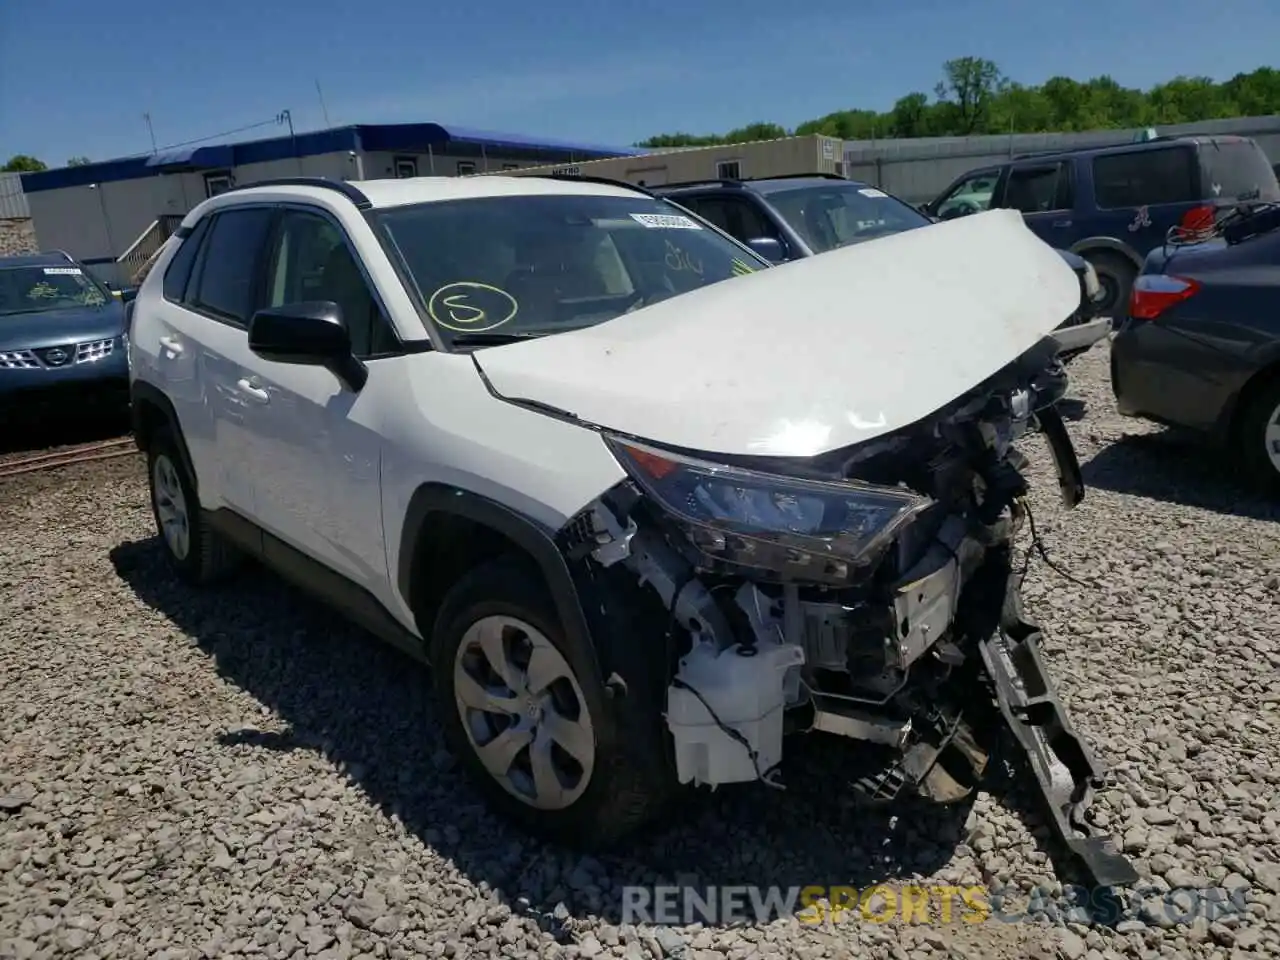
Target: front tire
(194, 550)
(528, 718)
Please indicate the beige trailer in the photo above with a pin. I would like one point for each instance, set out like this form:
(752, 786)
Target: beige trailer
(760, 158)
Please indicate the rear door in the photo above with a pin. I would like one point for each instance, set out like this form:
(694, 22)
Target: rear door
(201, 346)
(1140, 193)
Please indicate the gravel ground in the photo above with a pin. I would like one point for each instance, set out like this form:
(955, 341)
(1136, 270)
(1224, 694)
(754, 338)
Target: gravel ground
(208, 775)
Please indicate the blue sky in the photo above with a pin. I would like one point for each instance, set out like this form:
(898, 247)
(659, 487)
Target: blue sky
(77, 76)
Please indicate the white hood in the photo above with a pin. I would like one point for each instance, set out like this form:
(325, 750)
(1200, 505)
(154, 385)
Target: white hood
(812, 355)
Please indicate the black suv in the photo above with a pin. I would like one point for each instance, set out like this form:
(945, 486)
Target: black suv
(1113, 205)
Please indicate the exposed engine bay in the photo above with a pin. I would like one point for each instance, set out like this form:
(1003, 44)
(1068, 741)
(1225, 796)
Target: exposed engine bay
(868, 593)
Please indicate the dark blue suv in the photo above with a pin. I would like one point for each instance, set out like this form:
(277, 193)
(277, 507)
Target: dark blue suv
(1113, 205)
(63, 336)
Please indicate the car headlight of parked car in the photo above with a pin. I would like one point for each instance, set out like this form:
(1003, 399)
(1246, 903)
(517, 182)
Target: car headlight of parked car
(811, 529)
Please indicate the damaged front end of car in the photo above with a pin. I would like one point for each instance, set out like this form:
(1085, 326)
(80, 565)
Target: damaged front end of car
(869, 593)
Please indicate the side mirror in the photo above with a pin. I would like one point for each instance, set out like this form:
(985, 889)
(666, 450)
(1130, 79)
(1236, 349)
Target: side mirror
(312, 333)
(768, 247)
(128, 294)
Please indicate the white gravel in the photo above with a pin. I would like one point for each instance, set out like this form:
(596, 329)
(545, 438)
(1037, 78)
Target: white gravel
(209, 775)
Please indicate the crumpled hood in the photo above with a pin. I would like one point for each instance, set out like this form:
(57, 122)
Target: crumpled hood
(810, 356)
(55, 328)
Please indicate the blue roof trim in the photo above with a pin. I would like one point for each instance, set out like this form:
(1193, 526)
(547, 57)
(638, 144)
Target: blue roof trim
(194, 158)
(390, 138)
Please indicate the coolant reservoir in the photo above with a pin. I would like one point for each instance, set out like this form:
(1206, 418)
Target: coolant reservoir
(748, 691)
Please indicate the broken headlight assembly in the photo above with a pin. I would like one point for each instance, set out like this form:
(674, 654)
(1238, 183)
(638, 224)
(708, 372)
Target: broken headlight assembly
(794, 527)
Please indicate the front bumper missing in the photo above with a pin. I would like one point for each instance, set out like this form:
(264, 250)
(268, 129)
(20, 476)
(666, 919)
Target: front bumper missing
(1064, 767)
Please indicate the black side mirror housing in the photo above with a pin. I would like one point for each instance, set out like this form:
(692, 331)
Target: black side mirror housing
(128, 294)
(769, 248)
(312, 333)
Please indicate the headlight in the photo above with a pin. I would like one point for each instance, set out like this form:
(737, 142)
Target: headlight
(810, 529)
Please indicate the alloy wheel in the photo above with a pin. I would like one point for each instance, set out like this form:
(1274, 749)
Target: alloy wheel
(524, 712)
(171, 507)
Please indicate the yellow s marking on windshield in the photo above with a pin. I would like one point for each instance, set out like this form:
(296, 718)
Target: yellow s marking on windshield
(468, 306)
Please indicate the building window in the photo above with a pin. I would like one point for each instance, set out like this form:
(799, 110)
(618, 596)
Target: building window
(406, 167)
(216, 183)
(465, 167)
(729, 169)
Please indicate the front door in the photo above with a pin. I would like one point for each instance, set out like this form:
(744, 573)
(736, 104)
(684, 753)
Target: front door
(316, 445)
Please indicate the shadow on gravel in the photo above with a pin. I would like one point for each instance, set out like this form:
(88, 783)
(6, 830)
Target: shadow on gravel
(62, 428)
(367, 709)
(1174, 467)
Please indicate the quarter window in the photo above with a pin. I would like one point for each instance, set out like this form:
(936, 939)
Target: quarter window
(229, 262)
(178, 272)
(1144, 177)
(310, 261)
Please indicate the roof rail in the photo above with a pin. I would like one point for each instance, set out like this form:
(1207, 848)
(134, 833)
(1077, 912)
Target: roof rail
(802, 176)
(341, 186)
(1063, 151)
(709, 181)
(606, 181)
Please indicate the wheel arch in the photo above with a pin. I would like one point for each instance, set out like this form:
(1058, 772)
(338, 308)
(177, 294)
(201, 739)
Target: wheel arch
(1107, 245)
(448, 530)
(150, 411)
(1239, 404)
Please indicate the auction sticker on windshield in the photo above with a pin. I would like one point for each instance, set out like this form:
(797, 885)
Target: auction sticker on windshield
(872, 192)
(664, 221)
(62, 271)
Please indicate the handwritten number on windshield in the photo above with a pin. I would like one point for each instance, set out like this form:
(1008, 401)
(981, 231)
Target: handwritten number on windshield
(678, 261)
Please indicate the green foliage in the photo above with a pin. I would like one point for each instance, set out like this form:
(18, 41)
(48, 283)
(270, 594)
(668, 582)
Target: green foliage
(79, 162)
(974, 97)
(21, 163)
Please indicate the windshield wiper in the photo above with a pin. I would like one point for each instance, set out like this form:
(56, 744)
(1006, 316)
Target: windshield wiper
(491, 338)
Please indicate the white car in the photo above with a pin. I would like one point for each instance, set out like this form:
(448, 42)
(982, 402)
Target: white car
(643, 502)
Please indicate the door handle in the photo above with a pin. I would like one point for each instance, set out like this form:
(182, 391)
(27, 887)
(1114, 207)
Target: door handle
(172, 344)
(252, 390)
(1062, 223)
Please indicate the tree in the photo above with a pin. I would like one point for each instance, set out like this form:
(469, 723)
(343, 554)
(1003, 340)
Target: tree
(21, 163)
(78, 162)
(970, 85)
(975, 97)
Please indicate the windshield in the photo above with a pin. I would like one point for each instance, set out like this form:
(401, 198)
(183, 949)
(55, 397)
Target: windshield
(500, 267)
(837, 215)
(1238, 170)
(41, 289)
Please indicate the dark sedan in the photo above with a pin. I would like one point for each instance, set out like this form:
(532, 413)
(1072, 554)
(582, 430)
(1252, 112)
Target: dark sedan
(1200, 347)
(63, 338)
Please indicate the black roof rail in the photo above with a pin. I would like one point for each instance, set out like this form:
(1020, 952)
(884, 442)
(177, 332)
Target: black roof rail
(606, 181)
(341, 186)
(1067, 151)
(802, 176)
(709, 181)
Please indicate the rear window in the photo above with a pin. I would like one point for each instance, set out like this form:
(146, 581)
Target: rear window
(1139, 178)
(1238, 170)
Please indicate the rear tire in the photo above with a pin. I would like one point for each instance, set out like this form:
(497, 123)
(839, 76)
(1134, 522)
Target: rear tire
(1258, 438)
(1116, 274)
(195, 551)
(566, 734)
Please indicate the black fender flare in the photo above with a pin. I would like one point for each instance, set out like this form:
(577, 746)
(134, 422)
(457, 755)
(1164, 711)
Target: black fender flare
(535, 539)
(142, 395)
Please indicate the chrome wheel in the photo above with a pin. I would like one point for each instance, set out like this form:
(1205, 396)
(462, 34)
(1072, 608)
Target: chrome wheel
(1271, 438)
(171, 507)
(523, 712)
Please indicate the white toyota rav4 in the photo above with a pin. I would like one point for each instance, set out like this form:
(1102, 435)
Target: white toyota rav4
(645, 503)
